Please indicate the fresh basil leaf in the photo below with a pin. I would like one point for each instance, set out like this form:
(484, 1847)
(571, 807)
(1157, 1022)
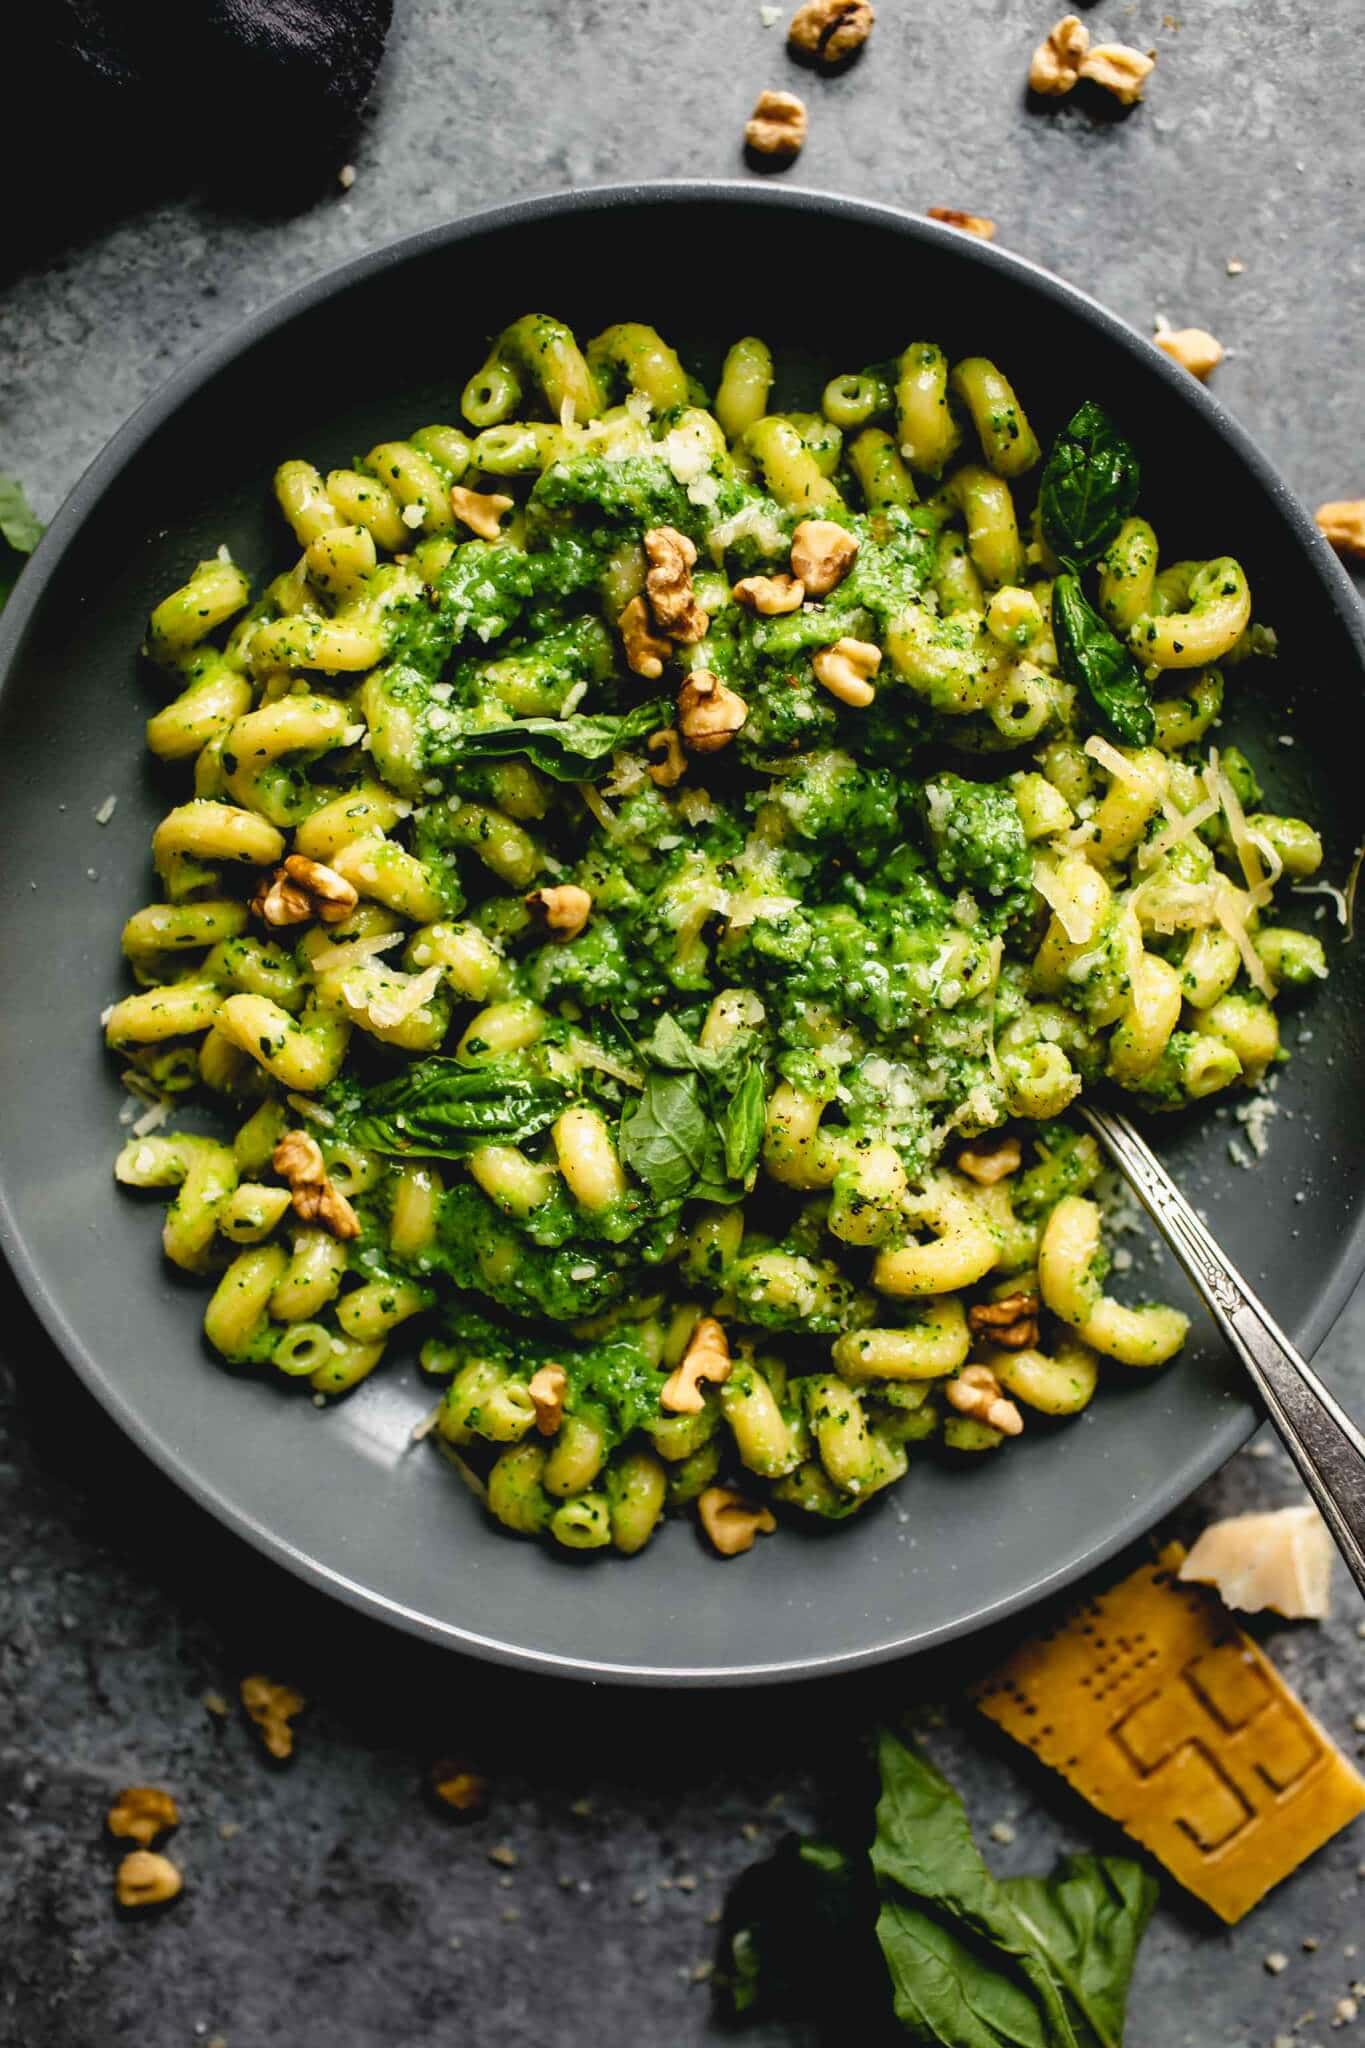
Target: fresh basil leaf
(744, 1122)
(568, 749)
(1089, 487)
(1088, 1920)
(940, 1904)
(1094, 661)
(438, 1109)
(667, 1136)
(669, 1046)
(20, 533)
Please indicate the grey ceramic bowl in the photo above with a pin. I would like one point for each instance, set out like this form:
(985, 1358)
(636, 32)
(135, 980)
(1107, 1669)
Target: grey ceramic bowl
(342, 1497)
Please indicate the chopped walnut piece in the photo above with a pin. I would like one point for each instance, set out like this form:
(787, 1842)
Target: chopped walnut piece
(709, 713)
(563, 910)
(146, 1879)
(272, 1707)
(830, 30)
(141, 1813)
(458, 1786)
(990, 1159)
(1057, 60)
(480, 511)
(770, 595)
(1343, 522)
(823, 552)
(976, 1392)
(777, 126)
(707, 1357)
(1192, 347)
(671, 765)
(970, 223)
(846, 669)
(298, 1159)
(1119, 69)
(668, 585)
(646, 653)
(301, 890)
(547, 1388)
(1011, 1323)
(731, 1521)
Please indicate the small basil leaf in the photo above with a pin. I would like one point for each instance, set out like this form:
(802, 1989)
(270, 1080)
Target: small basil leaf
(1089, 486)
(744, 1121)
(567, 749)
(20, 533)
(1093, 660)
(666, 1137)
(437, 1109)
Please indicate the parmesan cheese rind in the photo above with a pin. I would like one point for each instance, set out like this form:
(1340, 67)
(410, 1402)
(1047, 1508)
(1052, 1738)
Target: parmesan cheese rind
(1163, 1714)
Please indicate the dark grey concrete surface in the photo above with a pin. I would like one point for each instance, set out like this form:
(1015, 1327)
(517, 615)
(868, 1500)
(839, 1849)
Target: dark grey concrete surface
(329, 1903)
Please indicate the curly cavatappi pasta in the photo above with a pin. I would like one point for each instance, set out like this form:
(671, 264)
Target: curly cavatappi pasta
(655, 871)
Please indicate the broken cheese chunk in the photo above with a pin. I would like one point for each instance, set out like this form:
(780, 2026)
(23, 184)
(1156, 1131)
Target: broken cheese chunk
(1282, 1561)
(1154, 1705)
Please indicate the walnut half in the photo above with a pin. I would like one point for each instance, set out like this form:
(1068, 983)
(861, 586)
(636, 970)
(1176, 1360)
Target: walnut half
(1193, 348)
(298, 1159)
(563, 910)
(1056, 63)
(1011, 1323)
(272, 1707)
(707, 1357)
(141, 1813)
(1342, 521)
(777, 125)
(823, 552)
(830, 30)
(301, 890)
(976, 1392)
(146, 1879)
(731, 1521)
(668, 585)
(709, 714)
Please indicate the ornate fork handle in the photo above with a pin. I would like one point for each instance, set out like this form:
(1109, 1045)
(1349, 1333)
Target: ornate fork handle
(1317, 1432)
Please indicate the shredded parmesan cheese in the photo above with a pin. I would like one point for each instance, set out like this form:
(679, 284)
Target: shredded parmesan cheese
(1227, 910)
(1080, 921)
(602, 812)
(1245, 842)
(106, 810)
(1119, 766)
(151, 1119)
(1335, 896)
(355, 952)
(428, 1422)
(1180, 828)
(410, 992)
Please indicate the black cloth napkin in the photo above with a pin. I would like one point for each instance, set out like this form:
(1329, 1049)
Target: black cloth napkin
(257, 100)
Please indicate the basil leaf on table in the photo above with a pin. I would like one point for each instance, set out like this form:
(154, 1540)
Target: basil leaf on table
(938, 1900)
(963, 1959)
(437, 1109)
(567, 749)
(20, 533)
(1088, 1920)
(1096, 662)
(1089, 486)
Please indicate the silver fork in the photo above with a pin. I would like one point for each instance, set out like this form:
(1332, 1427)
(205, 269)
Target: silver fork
(1316, 1431)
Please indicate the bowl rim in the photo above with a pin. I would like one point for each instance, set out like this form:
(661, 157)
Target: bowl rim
(124, 446)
